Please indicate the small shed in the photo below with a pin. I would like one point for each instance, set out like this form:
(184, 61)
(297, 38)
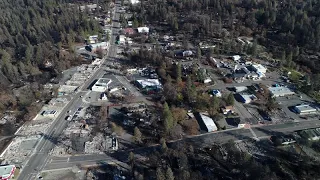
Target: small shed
(236, 57)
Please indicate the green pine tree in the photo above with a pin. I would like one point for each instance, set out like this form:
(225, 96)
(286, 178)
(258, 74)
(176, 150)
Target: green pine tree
(159, 174)
(137, 135)
(230, 100)
(169, 174)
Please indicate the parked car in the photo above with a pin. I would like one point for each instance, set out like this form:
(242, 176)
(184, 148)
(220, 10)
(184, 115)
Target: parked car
(68, 118)
(264, 115)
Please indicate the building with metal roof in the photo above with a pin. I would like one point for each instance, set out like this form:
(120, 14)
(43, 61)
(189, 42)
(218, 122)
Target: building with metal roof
(206, 123)
(280, 91)
(305, 109)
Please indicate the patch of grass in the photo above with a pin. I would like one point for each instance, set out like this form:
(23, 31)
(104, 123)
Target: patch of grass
(294, 75)
(44, 174)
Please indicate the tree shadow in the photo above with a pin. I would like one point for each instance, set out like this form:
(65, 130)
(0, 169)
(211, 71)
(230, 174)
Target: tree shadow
(268, 132)
(127, 144)
(91, 84)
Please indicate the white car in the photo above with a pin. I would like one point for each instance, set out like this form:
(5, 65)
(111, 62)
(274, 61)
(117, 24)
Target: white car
(68, 118)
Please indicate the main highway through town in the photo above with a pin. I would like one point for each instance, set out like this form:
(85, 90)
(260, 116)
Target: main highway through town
(41, 153)
(202, 140)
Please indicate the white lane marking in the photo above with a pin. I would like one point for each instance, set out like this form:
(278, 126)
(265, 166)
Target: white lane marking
(253, 133)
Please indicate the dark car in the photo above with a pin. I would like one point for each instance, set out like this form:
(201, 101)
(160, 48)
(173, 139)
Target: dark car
(264, 115)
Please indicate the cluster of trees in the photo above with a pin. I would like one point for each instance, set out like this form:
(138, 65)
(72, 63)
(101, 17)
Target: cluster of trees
(289, 30)
(282, 27)
(180, 91)
(33, 32)
(190, 162)
(36, 44)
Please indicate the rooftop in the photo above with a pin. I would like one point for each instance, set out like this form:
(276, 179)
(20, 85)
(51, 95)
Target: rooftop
(236, 57)
(149, 82)
(259, 68)
(89, 6)
(143, 29)
(7, 171)
(280, 91)
(47, 112)
(211, 126)
(103, 82)
(305, 107)
(248, 97)
(134, 1)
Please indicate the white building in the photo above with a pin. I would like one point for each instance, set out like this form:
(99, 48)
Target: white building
(7, 172)
(145, 83)
(240, 88)
(305, 109)
(280, 91)
(207, 80)
(93, 39)
(101, 45)
(187, 53)
(101, 85)
(143, 30)
(258, 68)
(122, 39)
(208, 122)
(49, 113)
(236, 57)
(90, 7)
(134, 1)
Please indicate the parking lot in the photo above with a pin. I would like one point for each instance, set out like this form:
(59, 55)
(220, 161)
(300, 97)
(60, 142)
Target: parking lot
(286, 104)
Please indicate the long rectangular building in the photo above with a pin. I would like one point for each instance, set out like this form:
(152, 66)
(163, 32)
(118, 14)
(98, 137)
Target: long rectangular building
(205, 122)
(280, 91)
(305, 109)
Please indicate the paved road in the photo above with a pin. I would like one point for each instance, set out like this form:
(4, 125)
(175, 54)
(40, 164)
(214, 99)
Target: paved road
(69, 161)
(129, 86)
(257, 132)
(47, 143)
